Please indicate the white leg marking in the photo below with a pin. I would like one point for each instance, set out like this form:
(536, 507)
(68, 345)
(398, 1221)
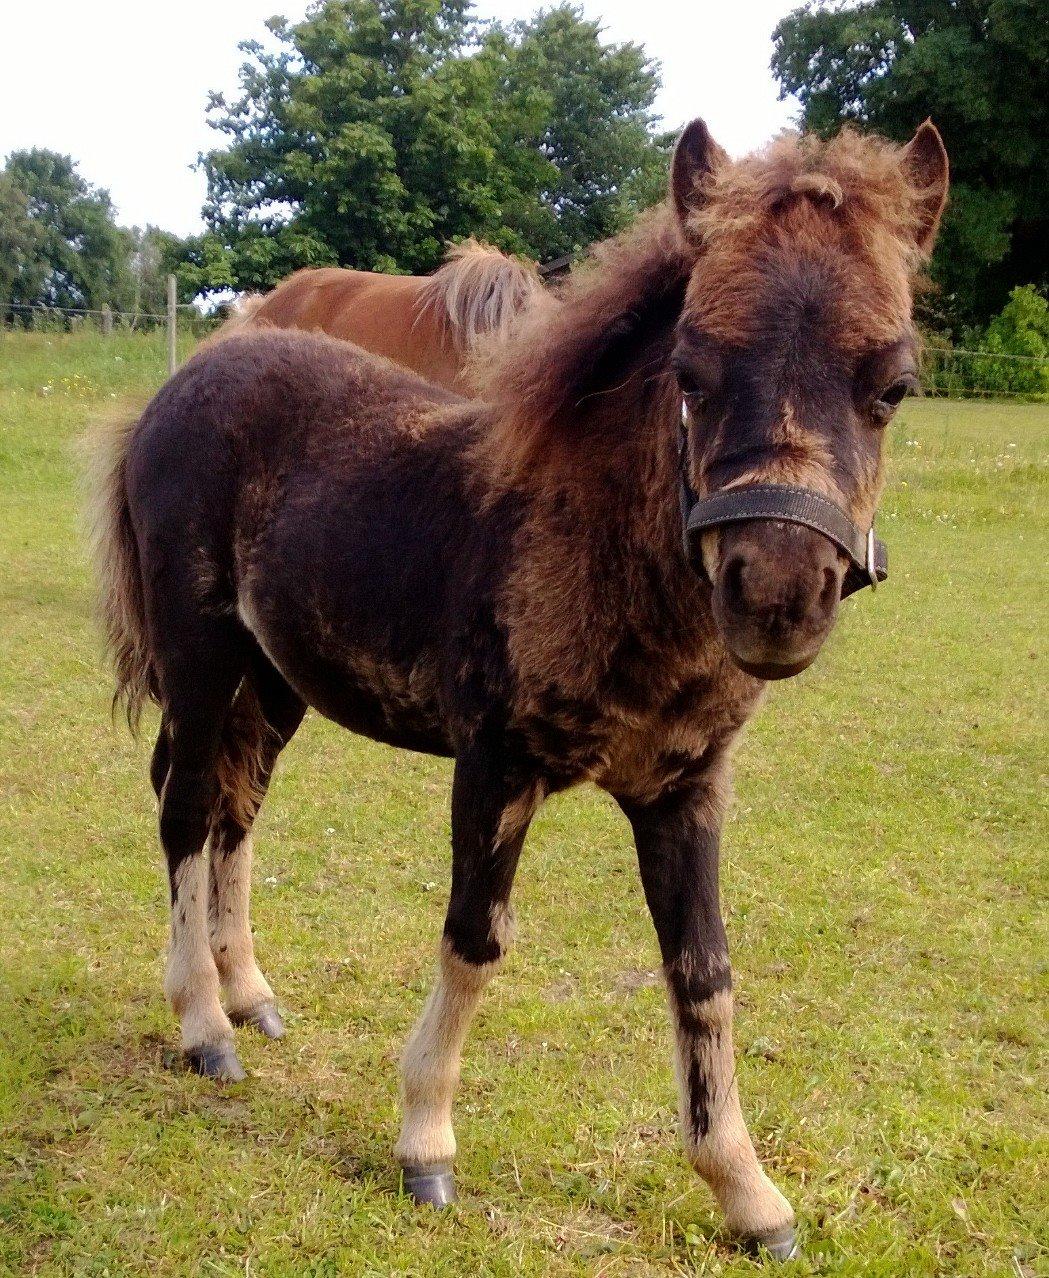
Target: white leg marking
(231, 944)
(431, 1060)
(722, 1154)
(191, 981)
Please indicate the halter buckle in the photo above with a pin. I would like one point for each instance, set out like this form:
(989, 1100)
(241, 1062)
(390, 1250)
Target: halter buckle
(872, 573)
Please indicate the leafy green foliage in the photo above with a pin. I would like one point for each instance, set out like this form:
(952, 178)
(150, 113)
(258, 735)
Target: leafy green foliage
(378, 130)
(1019, 337)
(980, 69)
(65, 246)
(578, 139)
(22, 268)
(60, 245)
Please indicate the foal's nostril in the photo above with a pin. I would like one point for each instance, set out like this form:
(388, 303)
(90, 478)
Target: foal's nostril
(732, 582)
(831, 588)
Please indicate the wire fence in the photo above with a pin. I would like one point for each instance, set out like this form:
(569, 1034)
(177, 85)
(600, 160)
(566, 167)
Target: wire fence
(948, 372)
(40, 316)
(58, 313)
(951, 372)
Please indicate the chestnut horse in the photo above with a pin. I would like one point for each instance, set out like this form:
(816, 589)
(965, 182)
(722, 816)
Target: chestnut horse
(428, 323)
(292, 523)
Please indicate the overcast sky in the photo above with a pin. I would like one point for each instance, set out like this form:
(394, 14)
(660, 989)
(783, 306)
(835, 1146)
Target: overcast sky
(121, 85)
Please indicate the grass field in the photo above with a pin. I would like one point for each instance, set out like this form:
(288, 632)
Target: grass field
(884, 883)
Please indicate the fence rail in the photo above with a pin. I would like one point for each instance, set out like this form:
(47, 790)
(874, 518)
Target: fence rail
(953, 372)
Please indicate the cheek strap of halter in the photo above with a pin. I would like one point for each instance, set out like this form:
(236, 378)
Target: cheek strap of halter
(868, 557)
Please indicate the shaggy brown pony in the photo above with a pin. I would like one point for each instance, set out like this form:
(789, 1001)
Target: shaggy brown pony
(429, 323)
(293, 523)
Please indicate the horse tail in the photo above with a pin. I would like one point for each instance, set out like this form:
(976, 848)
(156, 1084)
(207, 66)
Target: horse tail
(121, 601)
(479, 291)
(249, 744)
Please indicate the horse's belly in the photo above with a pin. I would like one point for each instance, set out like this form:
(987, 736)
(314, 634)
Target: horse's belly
(394, 702)
(372, 717)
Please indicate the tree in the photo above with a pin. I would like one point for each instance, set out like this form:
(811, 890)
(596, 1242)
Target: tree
(73, 254)
(576, 131)
(980, 69)
(1017, 342)
(22, 270)
(378, 130)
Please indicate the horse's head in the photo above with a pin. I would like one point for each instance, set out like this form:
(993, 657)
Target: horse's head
(794, 347)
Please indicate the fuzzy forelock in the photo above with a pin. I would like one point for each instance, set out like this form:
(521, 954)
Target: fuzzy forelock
(846, 202)
(861, 175)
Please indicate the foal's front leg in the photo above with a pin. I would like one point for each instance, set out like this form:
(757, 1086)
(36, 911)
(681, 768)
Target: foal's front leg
(492, 805)
(677, 842)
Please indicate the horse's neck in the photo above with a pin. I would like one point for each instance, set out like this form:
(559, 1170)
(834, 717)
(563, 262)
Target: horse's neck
(640, 476)
(614, 515)
(586, 429)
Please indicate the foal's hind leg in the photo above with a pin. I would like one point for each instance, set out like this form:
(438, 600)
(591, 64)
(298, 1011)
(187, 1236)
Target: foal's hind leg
(265, 717)
(248, 997)
(191, 980)
(198, 667)
(677, 842)
(492, 806)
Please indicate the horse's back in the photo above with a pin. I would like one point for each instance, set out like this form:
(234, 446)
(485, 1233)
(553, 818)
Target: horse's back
(381, 313)
(311, 298)
(269, 401)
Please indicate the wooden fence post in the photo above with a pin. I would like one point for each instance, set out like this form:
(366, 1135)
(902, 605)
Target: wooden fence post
(172, 325)
(107, 320)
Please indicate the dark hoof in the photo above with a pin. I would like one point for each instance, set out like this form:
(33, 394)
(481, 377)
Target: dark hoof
(218, 1062)
(265, 1018)
(434, 1185)
(781, 1244)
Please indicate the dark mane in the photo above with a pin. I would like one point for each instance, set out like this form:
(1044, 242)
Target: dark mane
(632, 287)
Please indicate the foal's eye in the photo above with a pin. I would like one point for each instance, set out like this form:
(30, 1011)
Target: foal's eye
(694, 392)
(889, 400)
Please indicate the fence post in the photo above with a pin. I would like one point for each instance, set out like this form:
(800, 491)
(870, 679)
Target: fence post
(172, 324)
(107, 320)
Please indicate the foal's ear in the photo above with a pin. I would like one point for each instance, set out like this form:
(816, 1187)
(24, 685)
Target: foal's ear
(925, 166)
(696, 157)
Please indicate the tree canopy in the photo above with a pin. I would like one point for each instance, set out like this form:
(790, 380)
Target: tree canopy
(59, 241)
(980, 69)
(375, 131)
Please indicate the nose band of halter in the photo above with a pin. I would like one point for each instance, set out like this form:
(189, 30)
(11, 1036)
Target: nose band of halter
(868, 557)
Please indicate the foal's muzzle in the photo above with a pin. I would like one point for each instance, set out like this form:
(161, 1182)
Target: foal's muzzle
(868, 558)
(787, 557)
(779, 584)
(776, 592)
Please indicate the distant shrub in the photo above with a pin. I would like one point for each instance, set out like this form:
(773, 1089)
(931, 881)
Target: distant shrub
(1020, 334)
(1009, 357)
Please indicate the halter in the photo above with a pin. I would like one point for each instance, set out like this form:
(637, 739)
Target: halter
(868, 557)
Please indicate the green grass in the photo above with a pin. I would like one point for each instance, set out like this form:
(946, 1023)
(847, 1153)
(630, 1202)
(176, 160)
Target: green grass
(884, 882)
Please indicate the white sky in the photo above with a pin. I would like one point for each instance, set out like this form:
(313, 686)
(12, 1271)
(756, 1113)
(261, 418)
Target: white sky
(121, 85)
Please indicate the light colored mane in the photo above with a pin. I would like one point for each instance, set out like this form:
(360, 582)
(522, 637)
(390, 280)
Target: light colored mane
(479, 291)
